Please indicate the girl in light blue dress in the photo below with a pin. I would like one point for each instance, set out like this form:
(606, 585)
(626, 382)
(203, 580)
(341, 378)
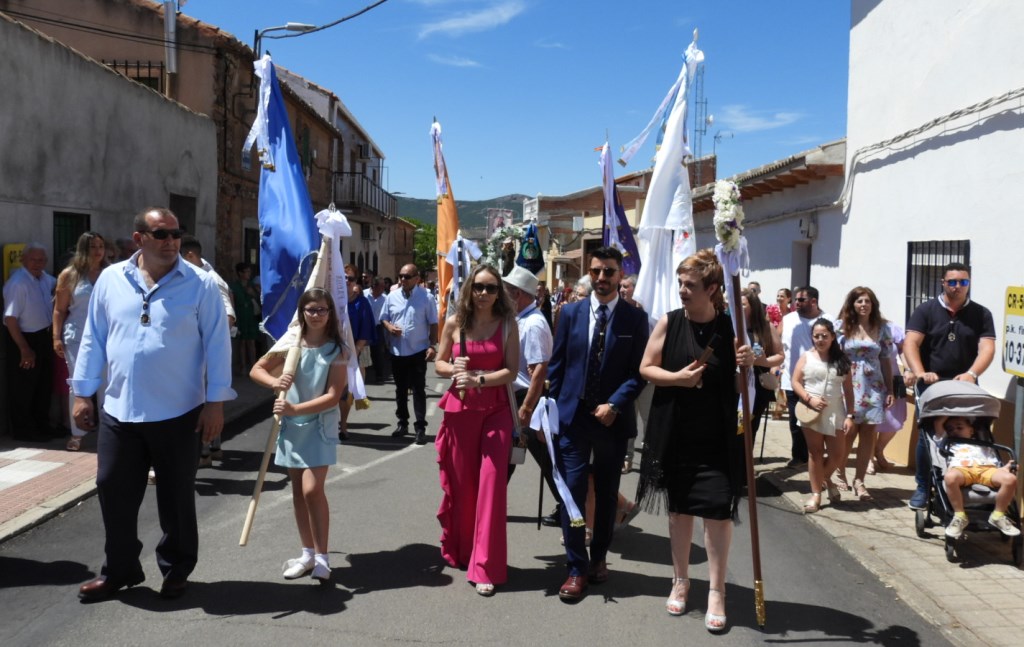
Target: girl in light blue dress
(308, 440)
(70, 307)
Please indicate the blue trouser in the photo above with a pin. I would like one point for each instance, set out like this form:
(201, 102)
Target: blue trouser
(924, 461)
(576, 443)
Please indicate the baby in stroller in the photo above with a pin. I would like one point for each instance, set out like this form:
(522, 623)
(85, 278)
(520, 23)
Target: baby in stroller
(970, 463)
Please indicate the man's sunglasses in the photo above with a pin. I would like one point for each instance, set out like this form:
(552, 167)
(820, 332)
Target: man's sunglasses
(489, 288)
(800, 299)
(608, 272)
(163, 234)
(958, 283)
(403, 277)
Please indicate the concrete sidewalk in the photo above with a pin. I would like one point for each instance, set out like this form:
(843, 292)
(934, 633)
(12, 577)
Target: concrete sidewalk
(979, 600)
(40, 480)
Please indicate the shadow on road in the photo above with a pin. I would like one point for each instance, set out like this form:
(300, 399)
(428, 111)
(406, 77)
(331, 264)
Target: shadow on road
(411, 565)
(237, 598)
(17, 571)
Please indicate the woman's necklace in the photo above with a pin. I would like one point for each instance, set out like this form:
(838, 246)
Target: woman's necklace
(702, 331)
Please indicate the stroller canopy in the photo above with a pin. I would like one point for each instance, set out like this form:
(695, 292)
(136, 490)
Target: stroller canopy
(955, 398)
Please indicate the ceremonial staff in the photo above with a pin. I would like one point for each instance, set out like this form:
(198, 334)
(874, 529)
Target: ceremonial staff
(732, 254)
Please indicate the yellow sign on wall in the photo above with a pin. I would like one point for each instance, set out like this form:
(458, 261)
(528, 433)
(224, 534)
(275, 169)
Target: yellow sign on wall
(1013, 331)
(12, 258)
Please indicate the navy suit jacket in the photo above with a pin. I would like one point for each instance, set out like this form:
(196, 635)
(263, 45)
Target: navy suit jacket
(625, 341)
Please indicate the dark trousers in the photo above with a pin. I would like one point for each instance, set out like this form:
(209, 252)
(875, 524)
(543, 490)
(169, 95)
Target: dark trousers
(125, 451)
(576, 443)
(411, 373)
(923, 458)
(799, 444)
(29, 390)
(380, 356)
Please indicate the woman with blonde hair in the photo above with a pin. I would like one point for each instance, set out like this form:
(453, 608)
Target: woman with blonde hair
(71, 305)
(693, 457)
(479, 352)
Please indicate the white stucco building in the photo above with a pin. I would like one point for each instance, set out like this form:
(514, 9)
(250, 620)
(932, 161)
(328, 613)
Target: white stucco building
(935, 152)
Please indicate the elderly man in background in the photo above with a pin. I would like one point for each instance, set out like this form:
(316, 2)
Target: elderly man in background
(28, 316)
(410, 317)
(535, 342)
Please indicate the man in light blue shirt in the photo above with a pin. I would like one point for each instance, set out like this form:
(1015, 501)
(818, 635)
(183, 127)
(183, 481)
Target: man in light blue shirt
(410, 318)
(157, 326)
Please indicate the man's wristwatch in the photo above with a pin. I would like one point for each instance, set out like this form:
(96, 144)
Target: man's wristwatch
(615, 409)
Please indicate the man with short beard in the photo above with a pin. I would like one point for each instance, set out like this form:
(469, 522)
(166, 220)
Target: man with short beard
(796, 339)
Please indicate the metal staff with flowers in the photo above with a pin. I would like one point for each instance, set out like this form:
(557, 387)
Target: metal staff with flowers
(731, 251)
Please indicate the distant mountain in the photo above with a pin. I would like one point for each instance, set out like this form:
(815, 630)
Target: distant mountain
(472, 213)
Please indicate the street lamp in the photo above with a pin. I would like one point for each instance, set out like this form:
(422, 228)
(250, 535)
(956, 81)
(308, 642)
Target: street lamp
(291, 26)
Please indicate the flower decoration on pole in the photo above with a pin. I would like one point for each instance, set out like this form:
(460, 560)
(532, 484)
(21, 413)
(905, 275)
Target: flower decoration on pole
(493, 247)
(728, 215)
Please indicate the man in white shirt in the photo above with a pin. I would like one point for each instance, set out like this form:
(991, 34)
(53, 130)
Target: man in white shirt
(535, 342)
(28, 316)
(796, 339)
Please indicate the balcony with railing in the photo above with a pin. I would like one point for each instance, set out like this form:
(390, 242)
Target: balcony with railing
(358, 192)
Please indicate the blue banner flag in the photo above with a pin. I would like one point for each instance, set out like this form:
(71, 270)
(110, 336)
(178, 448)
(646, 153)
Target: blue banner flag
(531, 256)
(288, 233)
(617, 232)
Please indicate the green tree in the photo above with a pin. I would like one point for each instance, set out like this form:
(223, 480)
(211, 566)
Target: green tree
(424, 241)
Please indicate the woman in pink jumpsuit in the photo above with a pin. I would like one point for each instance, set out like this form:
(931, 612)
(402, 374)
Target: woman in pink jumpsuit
(479, 351)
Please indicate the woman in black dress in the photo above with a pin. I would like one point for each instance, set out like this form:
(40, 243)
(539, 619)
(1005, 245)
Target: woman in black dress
(693, 457)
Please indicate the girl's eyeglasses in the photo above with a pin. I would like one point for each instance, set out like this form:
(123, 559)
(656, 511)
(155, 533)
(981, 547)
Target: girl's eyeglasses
(489, 288)
(315, 312)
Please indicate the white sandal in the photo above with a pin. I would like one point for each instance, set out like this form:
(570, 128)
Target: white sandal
(485, 589)
(677, 606)
(712, 621)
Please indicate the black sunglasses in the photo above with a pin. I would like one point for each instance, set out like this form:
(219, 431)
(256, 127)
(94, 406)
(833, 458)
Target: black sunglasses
(489, 288)
(403, 277)
(607, 271)
(163, 234)
(350, 279)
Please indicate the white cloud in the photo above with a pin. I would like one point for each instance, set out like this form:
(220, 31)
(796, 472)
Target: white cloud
(742, 119)
(489, 18)
(550, 44)
(454, 61)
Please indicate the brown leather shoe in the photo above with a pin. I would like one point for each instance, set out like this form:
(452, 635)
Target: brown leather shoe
(572, 590)
(102, 588)
(173, 587)
(598, 572)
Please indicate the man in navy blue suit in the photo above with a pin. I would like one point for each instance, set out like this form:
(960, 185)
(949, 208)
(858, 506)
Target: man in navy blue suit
(595, 376)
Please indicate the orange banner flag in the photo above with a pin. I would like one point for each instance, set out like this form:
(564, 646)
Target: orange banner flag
(447, 222)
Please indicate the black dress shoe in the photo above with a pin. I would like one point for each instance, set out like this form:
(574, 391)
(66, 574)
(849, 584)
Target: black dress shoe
(400, 431)
(553, 519)
(421, 437)
(103, 588)
(173, 587)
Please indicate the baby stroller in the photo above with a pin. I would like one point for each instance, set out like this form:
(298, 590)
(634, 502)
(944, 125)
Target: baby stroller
(953, 398)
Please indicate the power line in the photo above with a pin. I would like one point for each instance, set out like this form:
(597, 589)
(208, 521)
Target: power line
(111, 33)
(330, 24)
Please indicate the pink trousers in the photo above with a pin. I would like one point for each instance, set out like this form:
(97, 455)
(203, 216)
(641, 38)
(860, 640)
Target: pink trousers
(472, 452)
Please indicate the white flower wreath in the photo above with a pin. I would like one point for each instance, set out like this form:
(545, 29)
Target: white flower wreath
(728, 214)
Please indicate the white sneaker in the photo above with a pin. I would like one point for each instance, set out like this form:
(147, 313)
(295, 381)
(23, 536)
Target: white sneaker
(321, 572)
(296, 568)
(1004, 526)
(956, 527)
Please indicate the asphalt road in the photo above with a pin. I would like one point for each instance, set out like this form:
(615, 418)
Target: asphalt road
(390, 585)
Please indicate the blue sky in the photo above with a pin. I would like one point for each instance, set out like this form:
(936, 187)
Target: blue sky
(526, 89)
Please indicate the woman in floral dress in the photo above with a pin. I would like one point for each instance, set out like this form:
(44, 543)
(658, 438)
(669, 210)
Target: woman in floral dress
(867, 342)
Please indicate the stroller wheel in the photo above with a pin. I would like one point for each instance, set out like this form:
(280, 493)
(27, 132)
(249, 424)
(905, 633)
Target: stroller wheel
(950, 549)
(921, 521)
